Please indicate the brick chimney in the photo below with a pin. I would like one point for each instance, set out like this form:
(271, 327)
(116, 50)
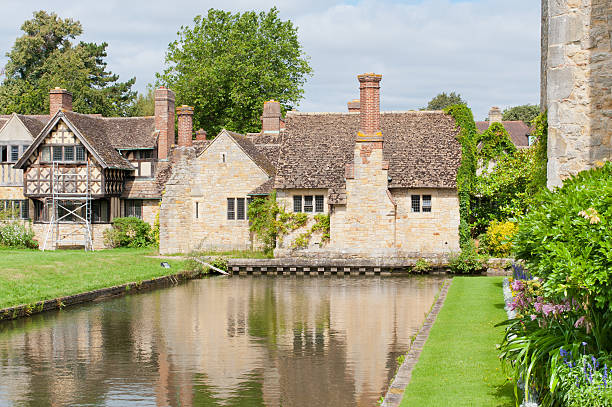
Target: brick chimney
(369, 107)
(495, 115)
(200, 135)
(59, 99)
(271, 118)
(185, 125)
(353, 106)
(164, 121)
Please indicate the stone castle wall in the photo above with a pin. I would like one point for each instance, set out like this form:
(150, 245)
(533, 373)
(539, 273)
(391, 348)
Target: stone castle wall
(577, 82)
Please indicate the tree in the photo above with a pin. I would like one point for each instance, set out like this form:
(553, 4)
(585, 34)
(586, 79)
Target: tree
(442, 101)
(525, 113)
(44, 57)
(145, 103)
(227, 65)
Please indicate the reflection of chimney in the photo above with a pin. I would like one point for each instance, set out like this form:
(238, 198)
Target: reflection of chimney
(271, 118)
(200, 135)
(185, 125)
(59, 99)
(164, 120)
(495, 115)
(353, 106)
(369, 107)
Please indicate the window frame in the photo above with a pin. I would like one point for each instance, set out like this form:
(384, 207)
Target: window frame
(231, 209)
(297, 203)
(308, 203)
(415, 203)
(319, 203)
(48, 153)
(133, 208)
(426, 208)
(240, 207)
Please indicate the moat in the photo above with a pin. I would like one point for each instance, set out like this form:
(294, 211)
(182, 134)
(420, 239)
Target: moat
(239, 341)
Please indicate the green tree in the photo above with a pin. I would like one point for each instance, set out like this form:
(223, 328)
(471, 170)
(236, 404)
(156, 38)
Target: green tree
(227, 65)
(44, 57)
(441, 101)
(145, 103)
(525, 113)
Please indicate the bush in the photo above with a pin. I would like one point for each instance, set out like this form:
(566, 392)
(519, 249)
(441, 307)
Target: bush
(128, 232)
(585, 381)
(15, 234)
(422, 266)
(567, 240)
(498, 239)
(469, 261)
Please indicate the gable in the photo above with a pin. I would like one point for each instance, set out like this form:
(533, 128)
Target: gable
(15, 131)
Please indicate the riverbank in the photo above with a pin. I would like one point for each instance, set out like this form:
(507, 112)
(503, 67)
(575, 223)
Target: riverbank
(459, 365)
(32, 276)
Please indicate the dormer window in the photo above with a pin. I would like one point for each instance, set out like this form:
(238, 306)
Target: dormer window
(65, 154)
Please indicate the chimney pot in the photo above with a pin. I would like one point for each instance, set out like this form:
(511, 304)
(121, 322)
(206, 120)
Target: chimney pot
(353, 106)
(271, 118)
(185, 125)
(164, 120)
(369, 107)
(495, 115)
(59, 99)
(200, 135)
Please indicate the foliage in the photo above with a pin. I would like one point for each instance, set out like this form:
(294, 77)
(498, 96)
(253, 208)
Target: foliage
(218, 262)
(469, 261)
(16, 235)
(44, 57)
(422, 266)
(321, 225)
(466, 173)
(228, 64)
(505, 191)
(498, 239)
(262, 220)
(493, 143)
(443, 101)
(144, 104)
(155, 231)
(540, 133)
(585, 381)
(526, 113)
(567, 239)
(128, 232)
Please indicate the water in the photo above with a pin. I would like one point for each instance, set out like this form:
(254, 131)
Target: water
(240, 341)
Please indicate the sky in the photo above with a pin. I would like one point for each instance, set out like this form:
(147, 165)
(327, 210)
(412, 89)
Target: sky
(486, 50)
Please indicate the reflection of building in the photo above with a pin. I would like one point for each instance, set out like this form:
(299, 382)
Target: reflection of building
(254, 341)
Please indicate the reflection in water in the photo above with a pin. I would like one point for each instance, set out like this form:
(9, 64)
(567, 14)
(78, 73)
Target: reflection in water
(252, 341)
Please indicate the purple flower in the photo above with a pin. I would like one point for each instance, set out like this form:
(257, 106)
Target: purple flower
(533, 317)
(547, 309)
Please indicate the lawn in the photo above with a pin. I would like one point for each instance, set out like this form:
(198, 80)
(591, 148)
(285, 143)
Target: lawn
(458, 365)
(28, 276)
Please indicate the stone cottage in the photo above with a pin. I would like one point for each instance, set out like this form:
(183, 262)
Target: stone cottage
(81, 171)
(518, 131)
(386, 180)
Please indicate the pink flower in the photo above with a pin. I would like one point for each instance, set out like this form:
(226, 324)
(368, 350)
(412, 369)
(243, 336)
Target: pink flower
(533, 317)
(579, 322)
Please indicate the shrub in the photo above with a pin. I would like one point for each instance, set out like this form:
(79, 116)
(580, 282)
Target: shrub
(498, 239)
(128, 232)
(422, 266)
(567, 240)
(15, 234)
(469, 261)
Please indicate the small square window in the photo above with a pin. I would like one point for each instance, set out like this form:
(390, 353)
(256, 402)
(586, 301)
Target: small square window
(69, 153)
(297, 203)
(57, 153)
(240, 208)
(416, 203)
(80, 153)
(231, 208)
(308, 203)
(426, 203)
(319, 203)
(14, 153)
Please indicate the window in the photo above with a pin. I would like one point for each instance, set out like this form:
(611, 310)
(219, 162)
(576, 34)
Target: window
(416, 203)
(231, 209)
(426, 203)
(197, 210)
(240, 209)
(80, 153)
(100, 211)
(319, 203)
(133, 207)
(3, 154)
(14, 153)
(57, 153)
(46, 153)
(297, 203)
(69, 153)
(63, 153)
(308, 203)
(15, 208)
(249, 200)
(223, 157)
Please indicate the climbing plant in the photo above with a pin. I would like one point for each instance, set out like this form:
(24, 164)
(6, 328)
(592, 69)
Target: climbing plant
(493, 143)
(466, 173)
(321, 225)
(540, 133)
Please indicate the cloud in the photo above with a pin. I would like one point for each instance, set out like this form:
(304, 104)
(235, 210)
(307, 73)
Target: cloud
(487, 50)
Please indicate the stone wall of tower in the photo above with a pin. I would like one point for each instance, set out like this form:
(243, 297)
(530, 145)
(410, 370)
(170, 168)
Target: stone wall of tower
(576, 62)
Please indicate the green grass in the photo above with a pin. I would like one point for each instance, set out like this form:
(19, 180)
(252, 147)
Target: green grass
(459, 364)
(28, 276)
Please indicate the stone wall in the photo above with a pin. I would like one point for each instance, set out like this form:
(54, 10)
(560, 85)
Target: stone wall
(204, 182)
(577, 56)
(11, 192)
(150, 209)
(97, 233)
(284, 198)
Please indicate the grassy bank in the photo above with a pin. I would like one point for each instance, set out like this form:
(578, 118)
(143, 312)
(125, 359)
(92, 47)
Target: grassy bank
(459, 364)
(28, 276)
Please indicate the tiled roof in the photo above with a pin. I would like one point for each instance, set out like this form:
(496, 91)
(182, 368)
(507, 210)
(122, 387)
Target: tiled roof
(265, 188)
(421, 148)
(517, 129)
(252, 151)
(34, 123)
(131, 132)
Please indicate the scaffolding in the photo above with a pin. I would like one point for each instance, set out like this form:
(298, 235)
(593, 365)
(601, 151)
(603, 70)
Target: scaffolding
(69, 207)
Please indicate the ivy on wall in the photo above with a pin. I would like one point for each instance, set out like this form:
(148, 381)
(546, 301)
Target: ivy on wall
(492, 143)
(466, 174)
(540, 133)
